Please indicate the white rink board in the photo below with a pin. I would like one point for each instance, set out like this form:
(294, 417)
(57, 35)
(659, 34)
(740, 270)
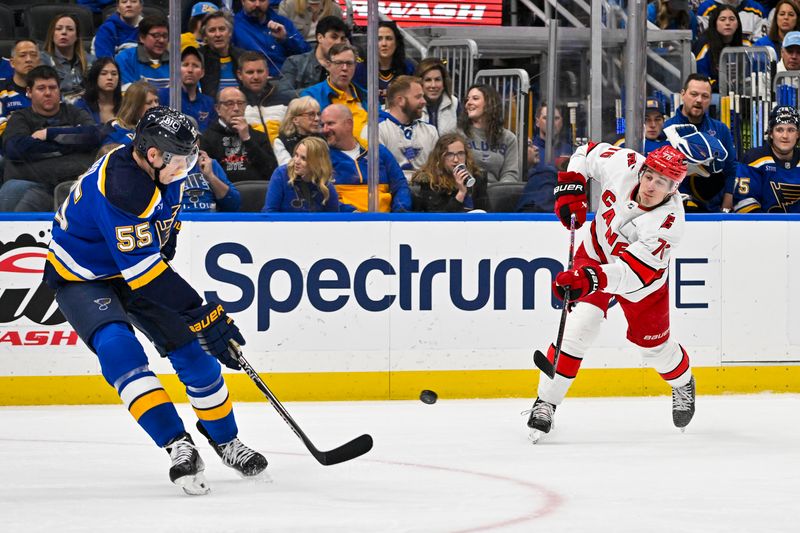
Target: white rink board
(731, 305)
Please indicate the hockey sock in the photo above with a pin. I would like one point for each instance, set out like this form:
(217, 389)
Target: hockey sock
(670, 361)
(206, 390)
(124, 366)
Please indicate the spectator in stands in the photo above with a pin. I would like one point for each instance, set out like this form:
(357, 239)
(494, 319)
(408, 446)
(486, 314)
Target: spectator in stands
(208, 189)
(25, 57)
(392, 61)
(119, 31)
(786, 18)
(193, 103)
(304, 184)
(441, 107)
(494, 148)
(790, 52)
(724, 30)
(409, 139)
(653, 127)
(140, 97)
(672, 15)
(219, 55)
(562, 150)
(768, 179)
(751, 16)
(443, 180)
(304, 70)
(349, 160)
(716, 191)
(537, 197)
(266, 103)
(103, 95)
(260, 28)
(301, 121)
(306, 14)
(96, 6)
(64, 52)
(244, 153)
(149, 60)
(339, 87)
(198, 14)
(45, 144)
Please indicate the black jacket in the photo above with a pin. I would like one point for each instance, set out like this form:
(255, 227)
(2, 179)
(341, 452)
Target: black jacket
(210, 82)
(250, 160)
(426, 200)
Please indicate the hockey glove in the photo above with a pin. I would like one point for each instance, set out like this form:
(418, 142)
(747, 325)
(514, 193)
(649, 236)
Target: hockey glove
(215, 329)
(580, 282)
(570, 198)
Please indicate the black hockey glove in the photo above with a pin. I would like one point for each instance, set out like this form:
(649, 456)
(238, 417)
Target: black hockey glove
(215, 329)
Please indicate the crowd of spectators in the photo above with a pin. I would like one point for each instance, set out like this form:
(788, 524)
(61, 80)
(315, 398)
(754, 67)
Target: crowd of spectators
(279, 94)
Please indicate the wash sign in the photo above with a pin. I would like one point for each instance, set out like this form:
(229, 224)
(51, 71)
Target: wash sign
(434, 13)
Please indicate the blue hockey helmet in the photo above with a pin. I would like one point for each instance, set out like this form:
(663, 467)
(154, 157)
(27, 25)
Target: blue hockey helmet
(704, 153)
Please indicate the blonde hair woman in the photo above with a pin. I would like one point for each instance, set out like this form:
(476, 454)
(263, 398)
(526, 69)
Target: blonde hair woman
(64, 52)
(304, 184)
(139, 97)
(300, 121)
(306, 13)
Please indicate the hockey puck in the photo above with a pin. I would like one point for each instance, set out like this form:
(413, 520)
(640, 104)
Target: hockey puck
(428, 396)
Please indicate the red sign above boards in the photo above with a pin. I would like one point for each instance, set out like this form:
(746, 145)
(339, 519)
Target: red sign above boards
(434, 12)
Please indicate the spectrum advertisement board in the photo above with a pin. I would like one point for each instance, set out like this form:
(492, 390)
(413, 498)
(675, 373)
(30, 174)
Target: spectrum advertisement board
(424, 294)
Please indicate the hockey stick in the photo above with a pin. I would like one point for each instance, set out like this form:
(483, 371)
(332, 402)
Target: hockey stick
(541, 360)
(350, 450)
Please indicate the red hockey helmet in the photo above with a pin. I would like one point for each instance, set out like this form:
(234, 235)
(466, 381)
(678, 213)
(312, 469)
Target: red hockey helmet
(668, 162)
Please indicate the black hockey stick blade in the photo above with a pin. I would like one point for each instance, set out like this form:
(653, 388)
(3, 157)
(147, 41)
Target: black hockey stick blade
(347, 451)
(544, 364)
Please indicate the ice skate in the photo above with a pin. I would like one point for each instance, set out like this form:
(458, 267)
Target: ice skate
(248, 463)
(187, 466)
(541, 419)
(683, 405)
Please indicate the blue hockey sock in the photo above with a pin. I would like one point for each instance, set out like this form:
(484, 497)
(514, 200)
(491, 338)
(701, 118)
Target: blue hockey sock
(124, 366)
(206, 390)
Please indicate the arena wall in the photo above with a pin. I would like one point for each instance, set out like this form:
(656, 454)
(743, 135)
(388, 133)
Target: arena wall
(374, 307)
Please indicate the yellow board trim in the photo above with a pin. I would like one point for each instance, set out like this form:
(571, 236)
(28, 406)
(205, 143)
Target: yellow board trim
(215, 413)
(61, 269)
(144, 403)
(449, 384)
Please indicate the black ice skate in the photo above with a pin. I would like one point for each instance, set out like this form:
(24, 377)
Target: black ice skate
(187, 466)
(683, 404)
(541, 419)
(248, 463)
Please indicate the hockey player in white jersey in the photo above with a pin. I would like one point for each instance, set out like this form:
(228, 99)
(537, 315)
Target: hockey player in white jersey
(623, 254)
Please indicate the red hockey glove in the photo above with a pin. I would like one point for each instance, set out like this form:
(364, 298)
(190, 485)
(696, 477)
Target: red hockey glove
(570, 196)
(580, 282)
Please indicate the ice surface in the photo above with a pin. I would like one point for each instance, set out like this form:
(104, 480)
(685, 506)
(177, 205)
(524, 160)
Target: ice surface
(610, 465)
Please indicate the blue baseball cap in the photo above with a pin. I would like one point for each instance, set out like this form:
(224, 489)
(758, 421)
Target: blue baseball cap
(203, 8)
(792, 39)
(653, 105)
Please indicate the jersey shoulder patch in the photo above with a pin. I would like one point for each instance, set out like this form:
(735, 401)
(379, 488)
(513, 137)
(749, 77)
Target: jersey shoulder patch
(127, 187)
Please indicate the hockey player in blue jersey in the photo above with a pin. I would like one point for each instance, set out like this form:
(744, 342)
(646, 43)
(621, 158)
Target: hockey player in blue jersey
(768, 179)
(107, 263)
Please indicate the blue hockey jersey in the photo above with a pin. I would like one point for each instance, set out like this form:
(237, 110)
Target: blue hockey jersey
(767, 184)
(113, 224)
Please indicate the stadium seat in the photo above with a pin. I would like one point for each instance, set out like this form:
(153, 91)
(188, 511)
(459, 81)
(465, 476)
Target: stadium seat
(38, 19)
(6, 46)
(503, 197)
(7, 24)
(60, 193)
(253, 193)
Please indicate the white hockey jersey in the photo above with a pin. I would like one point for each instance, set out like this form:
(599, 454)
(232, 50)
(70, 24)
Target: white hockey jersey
(410, 144)
(633, 243)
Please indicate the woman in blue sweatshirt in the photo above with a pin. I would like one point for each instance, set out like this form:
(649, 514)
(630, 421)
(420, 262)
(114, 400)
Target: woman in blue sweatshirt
(303, 184)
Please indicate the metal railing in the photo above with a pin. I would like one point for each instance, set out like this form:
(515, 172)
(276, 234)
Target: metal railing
(459, 56)
(513, 86)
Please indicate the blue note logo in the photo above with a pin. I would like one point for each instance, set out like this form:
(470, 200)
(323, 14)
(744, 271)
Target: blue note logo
(103, 303)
